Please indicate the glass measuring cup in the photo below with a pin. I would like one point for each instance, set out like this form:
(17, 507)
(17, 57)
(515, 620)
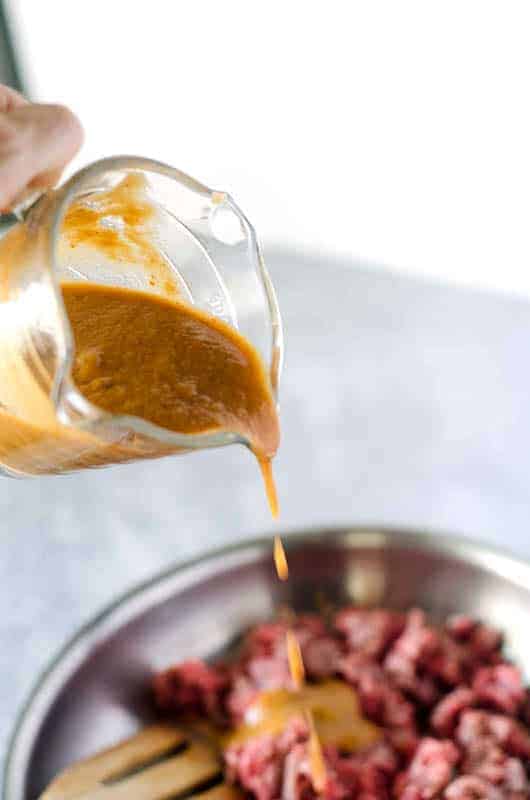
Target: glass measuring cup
(199, 244)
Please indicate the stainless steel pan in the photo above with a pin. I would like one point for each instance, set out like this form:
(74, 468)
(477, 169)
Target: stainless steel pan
(96, 690)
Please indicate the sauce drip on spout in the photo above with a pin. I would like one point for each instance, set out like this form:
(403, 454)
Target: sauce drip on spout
(265, 465)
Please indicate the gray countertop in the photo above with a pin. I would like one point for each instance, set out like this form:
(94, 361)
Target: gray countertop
(403, 402)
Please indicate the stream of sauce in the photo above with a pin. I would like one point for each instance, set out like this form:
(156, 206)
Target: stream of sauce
(280, 706)
(280, 559)
(296, 662)
(331, 710)
(265, 464)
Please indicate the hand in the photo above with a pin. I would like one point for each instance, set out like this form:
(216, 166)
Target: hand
(36, 143)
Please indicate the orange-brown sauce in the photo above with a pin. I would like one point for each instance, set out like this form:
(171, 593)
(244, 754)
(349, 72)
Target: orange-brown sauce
(317, 764)
(171, 364)
(280, 559)
(265, 465)
(331, 709)
(334, 708)
(294, 657)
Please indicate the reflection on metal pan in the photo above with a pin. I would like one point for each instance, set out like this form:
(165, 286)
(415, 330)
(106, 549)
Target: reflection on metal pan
(95, 692)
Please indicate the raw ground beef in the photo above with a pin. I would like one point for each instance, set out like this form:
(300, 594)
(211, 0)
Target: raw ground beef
(454, 713)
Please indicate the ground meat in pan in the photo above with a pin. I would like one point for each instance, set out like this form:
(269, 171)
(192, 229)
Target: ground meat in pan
(454, 712)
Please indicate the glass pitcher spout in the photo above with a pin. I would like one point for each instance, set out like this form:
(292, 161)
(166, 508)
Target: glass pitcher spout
(123, 222)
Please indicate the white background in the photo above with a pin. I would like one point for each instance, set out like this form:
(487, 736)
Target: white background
(397, 132)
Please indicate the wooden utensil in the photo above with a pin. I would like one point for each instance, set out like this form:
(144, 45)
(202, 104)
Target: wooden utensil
(159, 763)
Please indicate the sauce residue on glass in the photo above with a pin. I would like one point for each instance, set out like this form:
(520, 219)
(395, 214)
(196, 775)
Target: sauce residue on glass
(118, 222)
